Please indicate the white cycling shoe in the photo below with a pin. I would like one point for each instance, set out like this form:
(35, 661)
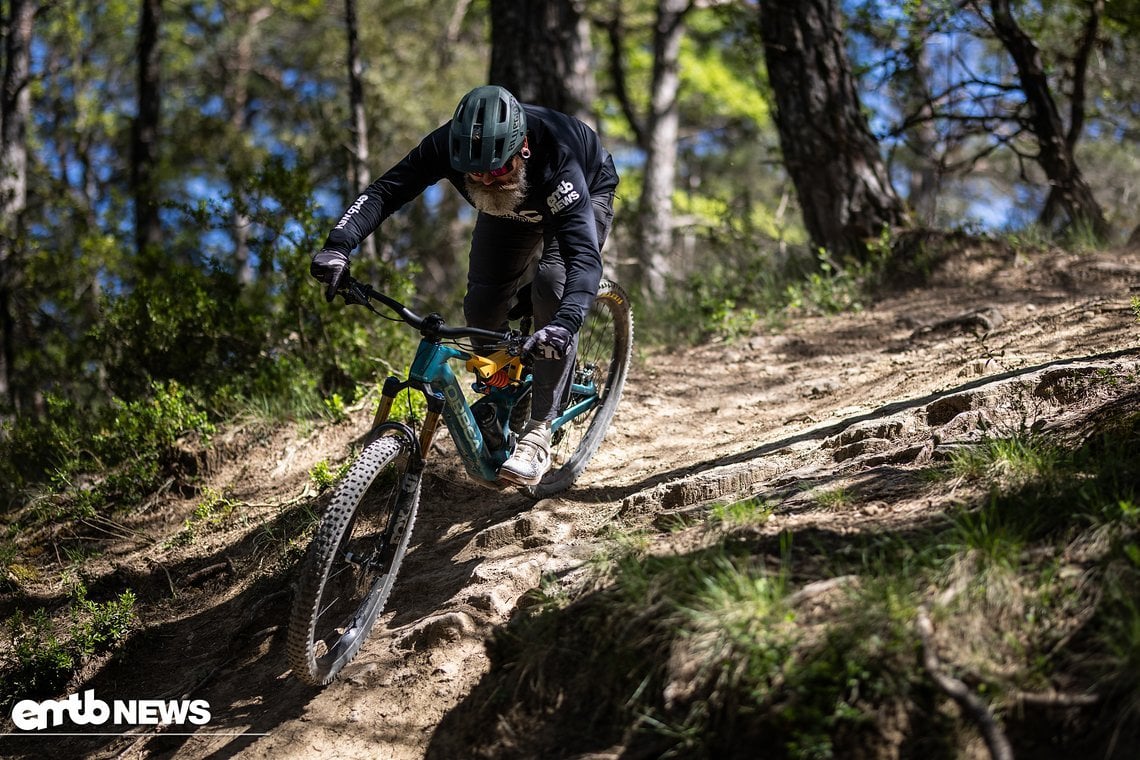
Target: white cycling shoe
(531, 457)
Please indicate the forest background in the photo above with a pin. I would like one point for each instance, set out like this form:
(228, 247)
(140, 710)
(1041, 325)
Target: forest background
(168, 169)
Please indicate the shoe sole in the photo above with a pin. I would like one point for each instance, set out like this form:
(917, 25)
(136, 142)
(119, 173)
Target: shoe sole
(518, 480)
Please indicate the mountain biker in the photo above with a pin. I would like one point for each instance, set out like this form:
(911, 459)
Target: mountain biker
(544, 188)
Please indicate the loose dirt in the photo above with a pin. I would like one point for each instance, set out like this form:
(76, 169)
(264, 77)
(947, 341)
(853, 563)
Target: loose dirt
(994, 343)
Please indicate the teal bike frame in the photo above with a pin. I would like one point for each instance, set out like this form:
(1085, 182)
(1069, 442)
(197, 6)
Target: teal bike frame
(432, 375)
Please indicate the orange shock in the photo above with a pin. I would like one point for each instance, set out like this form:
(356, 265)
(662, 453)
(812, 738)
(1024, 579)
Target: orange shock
(499, 380)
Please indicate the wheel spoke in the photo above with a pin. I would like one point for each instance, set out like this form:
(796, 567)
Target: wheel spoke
(602, 360)
(344, 583)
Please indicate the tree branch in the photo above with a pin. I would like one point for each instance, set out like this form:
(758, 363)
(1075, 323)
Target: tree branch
(616, 36)
(1085, 45)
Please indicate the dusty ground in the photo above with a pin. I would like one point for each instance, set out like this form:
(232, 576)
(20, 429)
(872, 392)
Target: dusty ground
(998, 342)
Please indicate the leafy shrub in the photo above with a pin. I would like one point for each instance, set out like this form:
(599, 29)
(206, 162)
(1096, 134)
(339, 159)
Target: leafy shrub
(324, 477)
(209, 513)
(39, 663)
(45, 655)
(131, 442)
(336, 408)
(739, 290)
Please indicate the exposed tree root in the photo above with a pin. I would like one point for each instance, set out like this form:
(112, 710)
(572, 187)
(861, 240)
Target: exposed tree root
(974, 708)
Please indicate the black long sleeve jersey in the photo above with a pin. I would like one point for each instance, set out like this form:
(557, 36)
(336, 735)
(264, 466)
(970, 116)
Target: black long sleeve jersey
(568, 166)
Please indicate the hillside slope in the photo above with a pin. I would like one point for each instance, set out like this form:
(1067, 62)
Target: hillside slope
(994, 341)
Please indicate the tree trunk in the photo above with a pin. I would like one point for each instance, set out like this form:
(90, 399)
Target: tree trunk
(833, 159)
(1068, 191)
(360, 176)
(654, 247)
(925, 176)
(144, 137)
(15, 113)
(237, 97)
(540, 51)
(652, 260)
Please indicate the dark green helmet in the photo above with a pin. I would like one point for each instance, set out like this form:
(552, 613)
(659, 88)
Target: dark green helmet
(488, 128)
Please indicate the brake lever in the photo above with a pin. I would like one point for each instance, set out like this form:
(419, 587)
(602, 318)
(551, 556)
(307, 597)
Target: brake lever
(355, 294)
(515, 343)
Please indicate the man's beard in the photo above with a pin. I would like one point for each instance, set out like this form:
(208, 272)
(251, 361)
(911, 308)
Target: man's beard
(498, 199)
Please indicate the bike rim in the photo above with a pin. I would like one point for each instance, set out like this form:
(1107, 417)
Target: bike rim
(351, 597)
(594, 364)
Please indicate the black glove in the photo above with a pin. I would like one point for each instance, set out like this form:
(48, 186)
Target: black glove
(548, 342)
(330, 268)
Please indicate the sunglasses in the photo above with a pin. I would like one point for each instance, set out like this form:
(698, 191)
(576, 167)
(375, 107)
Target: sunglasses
(502, 170)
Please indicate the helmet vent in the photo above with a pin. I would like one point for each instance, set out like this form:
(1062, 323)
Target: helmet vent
(489, 126)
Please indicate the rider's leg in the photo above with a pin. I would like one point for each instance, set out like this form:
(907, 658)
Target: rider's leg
(552, 376)
(502, 252)
(532, 458)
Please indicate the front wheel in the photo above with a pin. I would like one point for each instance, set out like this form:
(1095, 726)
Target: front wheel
(605, 342)
(353, 559)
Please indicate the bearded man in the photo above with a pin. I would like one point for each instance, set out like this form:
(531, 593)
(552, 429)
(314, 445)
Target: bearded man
(544, 188)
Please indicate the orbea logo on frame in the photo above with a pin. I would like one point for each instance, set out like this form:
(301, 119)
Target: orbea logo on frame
(29, 715)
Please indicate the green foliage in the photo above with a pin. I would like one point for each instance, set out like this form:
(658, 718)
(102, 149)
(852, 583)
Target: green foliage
(45, 651)
(184, 335)
(212, 512)
(408, 406)
(186, 325)
(38, 663)
(748, 512)
(335, 407)
(837, 498)
(831, 288)
(324, 477)
(733, 296)
(130, 443)
(98, 627)
(1006, 462)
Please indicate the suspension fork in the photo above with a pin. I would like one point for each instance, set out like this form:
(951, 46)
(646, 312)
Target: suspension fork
(431, 424)
(392, 386)
(432, 419)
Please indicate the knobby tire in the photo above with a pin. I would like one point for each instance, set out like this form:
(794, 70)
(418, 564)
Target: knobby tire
(353, 559)
(605, 343)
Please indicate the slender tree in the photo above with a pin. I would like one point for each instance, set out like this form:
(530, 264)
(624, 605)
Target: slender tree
(657, 136)
(655, 208)
(237, 98)
(1069, 193)
(359, 173)
(841, 180)
(15, 113)
(144, 138)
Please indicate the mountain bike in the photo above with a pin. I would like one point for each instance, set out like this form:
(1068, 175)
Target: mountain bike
(362, 537)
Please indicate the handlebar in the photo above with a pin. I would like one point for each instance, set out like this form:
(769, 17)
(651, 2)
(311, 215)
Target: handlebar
(432, 326)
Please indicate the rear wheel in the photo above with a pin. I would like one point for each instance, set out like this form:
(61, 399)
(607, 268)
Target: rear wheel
(353, 559)
(604, 345)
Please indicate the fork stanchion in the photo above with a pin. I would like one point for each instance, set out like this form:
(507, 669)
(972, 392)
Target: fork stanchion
(427, 435)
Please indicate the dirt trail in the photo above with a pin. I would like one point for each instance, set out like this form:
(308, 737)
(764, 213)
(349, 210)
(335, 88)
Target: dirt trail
(995, 342)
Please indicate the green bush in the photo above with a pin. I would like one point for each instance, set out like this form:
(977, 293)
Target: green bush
(44, 654)
(39, 664)
(130, 442)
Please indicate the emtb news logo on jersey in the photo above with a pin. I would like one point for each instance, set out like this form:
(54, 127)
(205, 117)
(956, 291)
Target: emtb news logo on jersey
(562, 197)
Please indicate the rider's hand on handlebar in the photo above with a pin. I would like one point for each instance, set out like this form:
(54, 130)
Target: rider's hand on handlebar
(331, 269)
(548, 342)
